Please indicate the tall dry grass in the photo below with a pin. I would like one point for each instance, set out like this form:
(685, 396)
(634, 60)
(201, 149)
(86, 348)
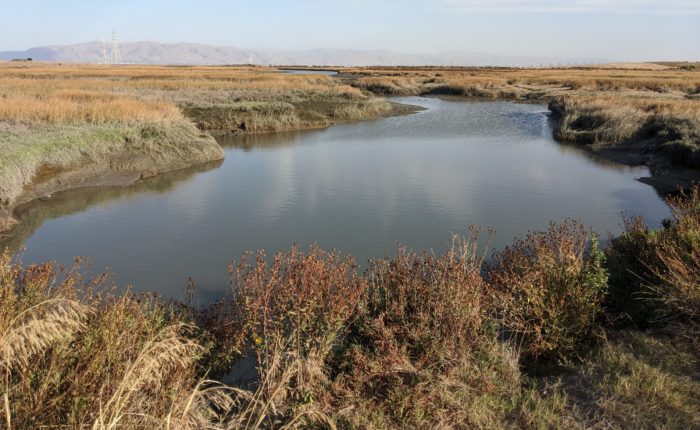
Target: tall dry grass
(86, 108)
(678, 255)
(580, 79)
(75, 355)
(616, 119)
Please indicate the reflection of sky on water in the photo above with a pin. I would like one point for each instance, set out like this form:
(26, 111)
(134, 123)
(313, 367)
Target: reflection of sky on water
(360, 187)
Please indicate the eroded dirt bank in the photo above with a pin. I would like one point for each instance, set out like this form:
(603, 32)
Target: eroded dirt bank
(121, 164)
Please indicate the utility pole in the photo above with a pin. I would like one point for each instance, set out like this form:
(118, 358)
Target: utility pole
(105, 56)
(116, 55)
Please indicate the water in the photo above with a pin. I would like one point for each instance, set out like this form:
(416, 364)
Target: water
(358, 187)
(309, 72)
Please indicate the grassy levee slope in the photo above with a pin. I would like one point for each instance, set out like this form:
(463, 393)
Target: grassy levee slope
(634, 116)
(64, 126)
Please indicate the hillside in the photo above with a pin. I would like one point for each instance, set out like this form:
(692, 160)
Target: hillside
(200, 54)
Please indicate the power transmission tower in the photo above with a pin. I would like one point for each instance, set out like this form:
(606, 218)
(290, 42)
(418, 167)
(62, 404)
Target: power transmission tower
(105, 56)
(116, 55)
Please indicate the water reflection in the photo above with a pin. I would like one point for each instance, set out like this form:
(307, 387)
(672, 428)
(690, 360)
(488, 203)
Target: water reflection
(263, 141)
(309, 72)
(32, 215)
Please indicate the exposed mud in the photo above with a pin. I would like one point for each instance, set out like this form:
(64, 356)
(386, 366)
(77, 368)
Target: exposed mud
(121, 169)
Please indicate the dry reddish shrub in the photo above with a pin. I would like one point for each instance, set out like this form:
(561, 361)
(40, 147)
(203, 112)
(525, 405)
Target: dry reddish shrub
(295, 309)
(549, 288)
(422, 324)
(424, 306)
(301, 297)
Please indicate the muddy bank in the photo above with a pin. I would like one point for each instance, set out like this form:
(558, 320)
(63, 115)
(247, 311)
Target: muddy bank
(234, 120)
(111, 165)
(669, 147)
(33, 214)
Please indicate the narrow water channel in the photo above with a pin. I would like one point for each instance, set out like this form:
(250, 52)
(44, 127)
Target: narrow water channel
(361, 188)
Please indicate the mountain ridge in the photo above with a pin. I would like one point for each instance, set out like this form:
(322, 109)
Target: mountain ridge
(149, 52)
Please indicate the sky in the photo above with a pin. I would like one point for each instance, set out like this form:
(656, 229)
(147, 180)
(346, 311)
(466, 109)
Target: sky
(625, 30)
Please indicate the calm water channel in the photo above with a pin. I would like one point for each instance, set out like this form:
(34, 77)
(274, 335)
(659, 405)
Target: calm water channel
(359, 187)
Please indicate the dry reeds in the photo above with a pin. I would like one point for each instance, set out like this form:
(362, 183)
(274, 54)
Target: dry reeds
(581, 79)
(74, 355)
(86, 110)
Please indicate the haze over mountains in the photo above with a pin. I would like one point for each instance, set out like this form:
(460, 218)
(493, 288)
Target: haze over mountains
(200, 54)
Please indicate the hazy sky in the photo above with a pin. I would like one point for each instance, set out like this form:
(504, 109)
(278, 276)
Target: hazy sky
(613, 29)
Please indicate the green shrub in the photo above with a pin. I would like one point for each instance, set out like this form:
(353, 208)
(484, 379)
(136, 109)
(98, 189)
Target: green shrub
(631, 261)
(655, 275)
(548, 289)
(678, 273)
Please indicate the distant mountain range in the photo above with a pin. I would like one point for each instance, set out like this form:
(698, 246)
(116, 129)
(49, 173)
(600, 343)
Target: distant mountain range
(199, 54)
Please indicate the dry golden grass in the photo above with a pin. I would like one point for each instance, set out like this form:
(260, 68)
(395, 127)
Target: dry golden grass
(73, 355)
(85, 108)
(100, 94)
(610, 118)
(568, 78)
(633, 66)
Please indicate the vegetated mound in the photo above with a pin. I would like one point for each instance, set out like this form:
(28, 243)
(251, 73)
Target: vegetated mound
(683, 65)
(633, 66)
